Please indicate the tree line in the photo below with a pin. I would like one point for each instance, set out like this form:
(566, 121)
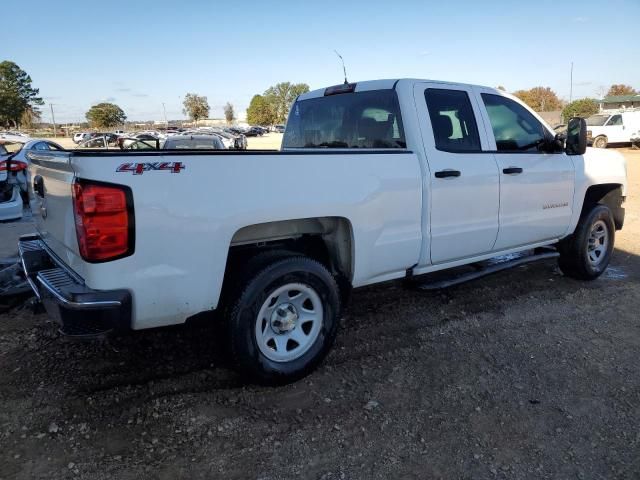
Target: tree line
(543, 99)
(272, 107)
(20, 102)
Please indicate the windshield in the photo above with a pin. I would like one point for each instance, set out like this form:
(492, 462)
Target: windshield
(597, 120)
(350, 120)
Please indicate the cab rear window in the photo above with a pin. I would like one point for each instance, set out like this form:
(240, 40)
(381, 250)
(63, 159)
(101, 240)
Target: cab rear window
(368, 119)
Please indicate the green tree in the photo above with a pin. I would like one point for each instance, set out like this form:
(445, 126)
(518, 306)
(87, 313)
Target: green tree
(195, 106)
(105, 115)
(500, 87)
(621, 89)
(541, 99)
(229, 113)
(261, 111)
(281, 96)
(584, 108)
(16, 94)
(29, 117)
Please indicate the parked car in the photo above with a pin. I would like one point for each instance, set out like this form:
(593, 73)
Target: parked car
(278, 128)
(124, 142)
(80, 137)
(382, 180)
(239, 138)
(12, 135)
(254, 132)
(193, 142)
(15, 183)
(129, 143)
(10, 173)
(606, 128)
(99, 140)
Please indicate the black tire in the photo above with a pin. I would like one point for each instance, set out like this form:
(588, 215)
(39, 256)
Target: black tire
(600, 142)
(574, 258)
(258, 285)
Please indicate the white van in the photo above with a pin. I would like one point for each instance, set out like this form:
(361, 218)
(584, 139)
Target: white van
(612, 127)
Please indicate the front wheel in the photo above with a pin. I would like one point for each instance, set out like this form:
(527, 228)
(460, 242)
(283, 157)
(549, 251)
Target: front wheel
(285, 320)
(600, 142)
(585, 255)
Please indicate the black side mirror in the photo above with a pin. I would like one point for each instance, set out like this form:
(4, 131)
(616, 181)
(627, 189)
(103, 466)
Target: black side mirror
(576, 143)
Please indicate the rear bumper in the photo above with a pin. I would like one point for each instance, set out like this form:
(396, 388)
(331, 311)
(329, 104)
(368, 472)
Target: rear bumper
(79, 310)
(12, 208)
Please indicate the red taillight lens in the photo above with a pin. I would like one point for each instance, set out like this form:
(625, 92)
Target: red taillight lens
(103, 221)
(15, 166)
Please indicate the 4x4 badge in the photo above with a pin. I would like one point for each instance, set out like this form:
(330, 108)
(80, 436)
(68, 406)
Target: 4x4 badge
(140, 168)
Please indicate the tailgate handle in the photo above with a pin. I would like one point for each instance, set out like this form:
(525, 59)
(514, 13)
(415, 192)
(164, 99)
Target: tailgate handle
(38, 185)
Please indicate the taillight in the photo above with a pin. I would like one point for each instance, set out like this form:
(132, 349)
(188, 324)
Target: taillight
(12, 166)
(104, 221)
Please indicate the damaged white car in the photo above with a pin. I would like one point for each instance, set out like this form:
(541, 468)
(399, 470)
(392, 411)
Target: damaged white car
(14, 175)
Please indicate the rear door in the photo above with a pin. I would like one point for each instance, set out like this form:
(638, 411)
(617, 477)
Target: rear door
(463, 182)
(536, 187)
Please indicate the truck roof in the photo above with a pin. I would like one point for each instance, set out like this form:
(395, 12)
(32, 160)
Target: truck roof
(384, 84)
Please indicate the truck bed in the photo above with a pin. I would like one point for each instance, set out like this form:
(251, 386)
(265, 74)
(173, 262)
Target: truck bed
(186, 215)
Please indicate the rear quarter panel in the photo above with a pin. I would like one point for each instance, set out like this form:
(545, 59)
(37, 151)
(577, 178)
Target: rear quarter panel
(185, 221)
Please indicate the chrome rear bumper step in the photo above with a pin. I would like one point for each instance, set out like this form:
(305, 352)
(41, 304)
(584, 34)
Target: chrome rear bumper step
(81, 311)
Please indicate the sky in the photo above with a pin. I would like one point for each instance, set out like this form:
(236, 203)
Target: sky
(141, 54)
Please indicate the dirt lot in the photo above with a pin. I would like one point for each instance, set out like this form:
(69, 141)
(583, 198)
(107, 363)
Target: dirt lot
(525, 374)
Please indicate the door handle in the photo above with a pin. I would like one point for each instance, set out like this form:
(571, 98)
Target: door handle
(512, 170)
(447, 173)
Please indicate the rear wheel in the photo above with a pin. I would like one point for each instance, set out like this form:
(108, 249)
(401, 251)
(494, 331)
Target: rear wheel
(585, 255)
(600, 142)
(284, 320)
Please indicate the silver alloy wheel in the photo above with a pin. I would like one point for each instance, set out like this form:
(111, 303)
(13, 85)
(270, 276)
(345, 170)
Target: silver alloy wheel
(289, 322)
(598, 243)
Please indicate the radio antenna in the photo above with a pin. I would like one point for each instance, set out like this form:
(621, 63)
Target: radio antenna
(344, 69)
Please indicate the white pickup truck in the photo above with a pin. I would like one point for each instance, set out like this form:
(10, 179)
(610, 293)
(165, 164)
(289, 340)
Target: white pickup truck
(375, 181)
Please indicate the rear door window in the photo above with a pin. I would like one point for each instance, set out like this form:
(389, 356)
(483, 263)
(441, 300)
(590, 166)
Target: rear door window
(452, 119)
(368, 119)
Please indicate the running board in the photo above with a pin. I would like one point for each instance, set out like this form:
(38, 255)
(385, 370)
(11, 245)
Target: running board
(485, 268)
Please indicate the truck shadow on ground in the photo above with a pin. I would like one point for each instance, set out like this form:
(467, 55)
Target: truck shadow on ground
(381, 317)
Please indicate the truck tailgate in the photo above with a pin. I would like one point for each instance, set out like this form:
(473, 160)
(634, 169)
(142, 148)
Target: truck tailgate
(52, 176)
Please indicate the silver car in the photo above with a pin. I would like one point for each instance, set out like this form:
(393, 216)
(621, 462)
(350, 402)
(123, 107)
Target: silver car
(193, 142)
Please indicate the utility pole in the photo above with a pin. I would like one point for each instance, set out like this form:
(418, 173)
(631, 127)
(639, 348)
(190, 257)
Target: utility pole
(166, 123)
(53, 118)
(571, 84)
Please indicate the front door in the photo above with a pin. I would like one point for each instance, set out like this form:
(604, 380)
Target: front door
(616, 130)
(536, 187)
(462, 183)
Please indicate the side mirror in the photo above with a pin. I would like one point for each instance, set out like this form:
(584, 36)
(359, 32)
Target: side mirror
(576, 143)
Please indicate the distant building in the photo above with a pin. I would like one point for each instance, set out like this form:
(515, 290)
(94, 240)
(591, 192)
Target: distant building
(619, 102)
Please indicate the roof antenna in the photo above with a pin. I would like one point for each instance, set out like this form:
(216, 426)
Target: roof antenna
(343, 67)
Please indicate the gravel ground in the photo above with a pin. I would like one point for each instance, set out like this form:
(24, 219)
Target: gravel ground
(525, 374)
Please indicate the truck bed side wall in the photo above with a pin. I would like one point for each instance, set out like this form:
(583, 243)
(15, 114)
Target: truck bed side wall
(185, 221)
